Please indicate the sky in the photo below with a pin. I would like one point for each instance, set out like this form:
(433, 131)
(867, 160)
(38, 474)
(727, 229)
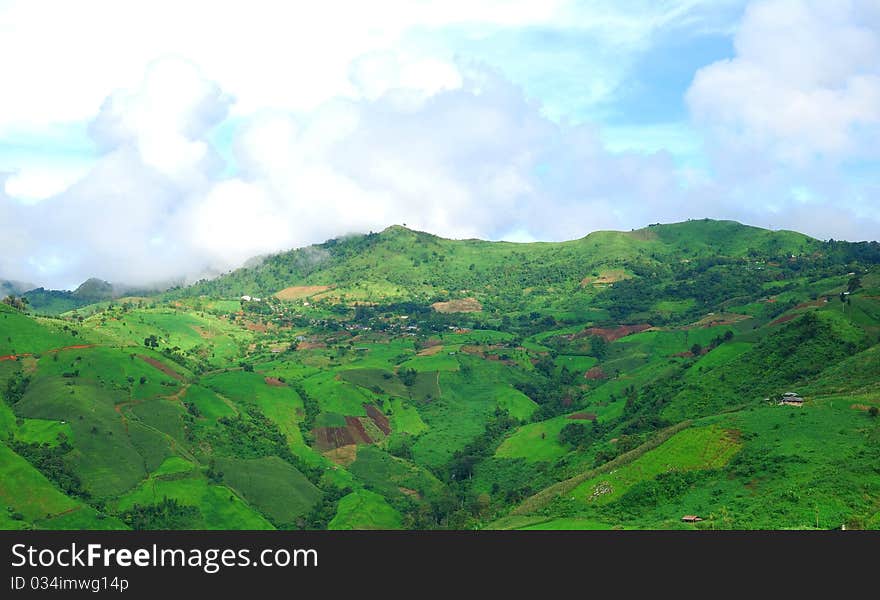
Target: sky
(147, 142)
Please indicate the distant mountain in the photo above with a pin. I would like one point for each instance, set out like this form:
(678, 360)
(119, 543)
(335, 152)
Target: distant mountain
(15, 288)
(91, 291)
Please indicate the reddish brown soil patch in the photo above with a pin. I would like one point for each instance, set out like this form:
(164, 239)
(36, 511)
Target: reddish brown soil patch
(611, 335)
(328, 438)
(606, 278)
(595, 373)
(258, 327)
(310, 345)
(378, 418)
(297, 292)
(464, 305)
(203, 333)
(582, 416)
(734, 435)
(162, 367)
(783, 319)
(411, 493)
(52, 351)
(358, 430)
(274, 382)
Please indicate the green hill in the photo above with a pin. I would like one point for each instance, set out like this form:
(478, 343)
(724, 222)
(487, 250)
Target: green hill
(402, 380)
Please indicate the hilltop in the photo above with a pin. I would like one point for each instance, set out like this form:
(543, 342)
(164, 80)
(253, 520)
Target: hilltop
(399, 264)
(402, 380)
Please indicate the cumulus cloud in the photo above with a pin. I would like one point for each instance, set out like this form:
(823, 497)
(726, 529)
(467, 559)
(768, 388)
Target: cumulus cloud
(477, 160)
(804, 85)
(792, 118)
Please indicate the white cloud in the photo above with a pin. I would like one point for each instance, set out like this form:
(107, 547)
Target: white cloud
(165, 119)
(804, 85)
(41, 180)
(475, 161)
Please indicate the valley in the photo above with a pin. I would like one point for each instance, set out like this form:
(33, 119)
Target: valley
(624, 380)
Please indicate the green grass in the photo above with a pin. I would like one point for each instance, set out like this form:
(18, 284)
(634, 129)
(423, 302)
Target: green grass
(219, 507)
(424, 388)
(20, 334)
(207, 337)
(273, 486)
(567, 524)
(515, 402)
(692, 449)
(535, 441)
(363, 509)
(27, 490)
(465, 405)
(405, 418)
(336, 396)
(392, 476)
(42, 431)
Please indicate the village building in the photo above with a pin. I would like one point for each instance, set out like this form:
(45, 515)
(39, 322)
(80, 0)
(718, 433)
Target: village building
(691, 519)
(791, 399)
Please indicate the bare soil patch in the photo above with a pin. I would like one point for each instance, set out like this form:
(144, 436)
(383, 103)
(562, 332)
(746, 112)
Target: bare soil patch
(718, 320)
(274, 382)
(582, 416)
(464, 305)
(344, 455)
(162, 367)
(329, 438)
(298, 292)
(378, 418)
(203, 333)
(606, 278)
(595, 373)
(431, 351)
(783, 319)
(612, 334)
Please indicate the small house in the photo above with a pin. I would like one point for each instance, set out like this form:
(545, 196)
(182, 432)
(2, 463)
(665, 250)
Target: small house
(791, 399)
(691, 519)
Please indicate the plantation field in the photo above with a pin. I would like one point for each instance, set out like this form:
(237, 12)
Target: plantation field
(617, 381)
(364, 509)
(692, 449)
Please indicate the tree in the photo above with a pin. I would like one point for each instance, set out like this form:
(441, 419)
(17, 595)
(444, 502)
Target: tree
(573, 434)
(599, 347)
(696, 349)
(16, 303)
(854, 284)
(874, 411)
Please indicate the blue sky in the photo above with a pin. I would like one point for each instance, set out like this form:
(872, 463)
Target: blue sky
(146, 142)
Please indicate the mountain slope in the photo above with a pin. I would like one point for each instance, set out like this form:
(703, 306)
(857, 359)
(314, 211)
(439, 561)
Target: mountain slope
(624, 380)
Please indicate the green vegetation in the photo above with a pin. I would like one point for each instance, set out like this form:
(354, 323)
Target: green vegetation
(400, 380)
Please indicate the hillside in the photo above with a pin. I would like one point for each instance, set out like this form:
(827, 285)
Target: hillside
(403, 265)
(402, 380)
